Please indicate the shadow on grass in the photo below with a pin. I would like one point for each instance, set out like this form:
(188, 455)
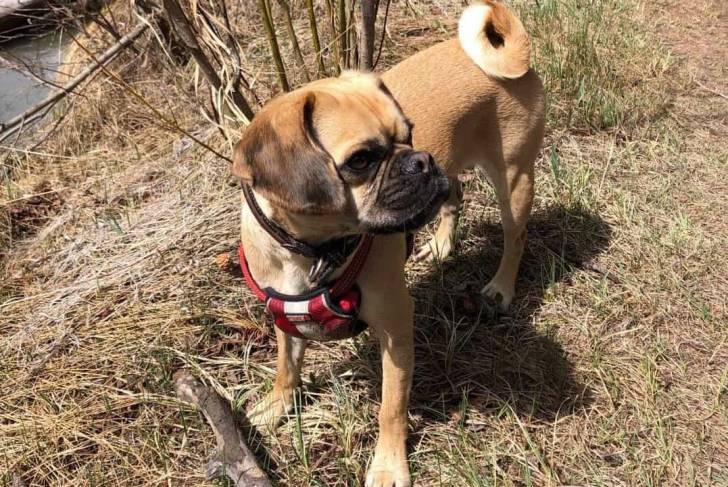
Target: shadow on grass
(470, 356)
(467, 353)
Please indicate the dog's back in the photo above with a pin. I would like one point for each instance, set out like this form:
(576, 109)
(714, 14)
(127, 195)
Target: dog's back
(473, 94)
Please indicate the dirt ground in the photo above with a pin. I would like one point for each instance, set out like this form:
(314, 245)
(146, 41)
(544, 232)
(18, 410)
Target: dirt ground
(611, 367)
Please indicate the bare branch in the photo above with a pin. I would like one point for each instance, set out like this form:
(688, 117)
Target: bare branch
(342, 35)
(275, 51)
(384, 33)
(334, 34)
(352, 42)
(185, 31)
(315, 37)
(294, 39)
(368, 20)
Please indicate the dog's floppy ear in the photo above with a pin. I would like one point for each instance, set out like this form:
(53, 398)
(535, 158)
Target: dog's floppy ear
(280, 157)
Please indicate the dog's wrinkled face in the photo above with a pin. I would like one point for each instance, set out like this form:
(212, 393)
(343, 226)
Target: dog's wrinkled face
(340, 149)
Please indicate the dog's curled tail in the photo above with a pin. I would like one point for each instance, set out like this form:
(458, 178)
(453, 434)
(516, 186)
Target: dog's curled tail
(495, 40)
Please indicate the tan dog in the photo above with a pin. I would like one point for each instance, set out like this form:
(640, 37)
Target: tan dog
(475, 102)
(335, 158)
(328, 160)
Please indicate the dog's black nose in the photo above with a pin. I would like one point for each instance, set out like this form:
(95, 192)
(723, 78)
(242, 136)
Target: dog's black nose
(417, 162)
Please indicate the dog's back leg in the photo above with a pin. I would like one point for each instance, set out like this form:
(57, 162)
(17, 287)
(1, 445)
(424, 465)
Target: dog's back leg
(441, 244)
(514, 189)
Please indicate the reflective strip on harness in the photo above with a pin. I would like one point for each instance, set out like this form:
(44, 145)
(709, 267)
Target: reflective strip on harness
(327, 313)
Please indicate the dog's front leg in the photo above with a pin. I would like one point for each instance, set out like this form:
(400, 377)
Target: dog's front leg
(269, 412)
(389, 466)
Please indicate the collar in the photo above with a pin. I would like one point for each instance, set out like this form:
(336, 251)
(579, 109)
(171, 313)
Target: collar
(327, 257)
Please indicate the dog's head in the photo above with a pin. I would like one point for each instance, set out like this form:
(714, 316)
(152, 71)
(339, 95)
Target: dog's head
(339, 150)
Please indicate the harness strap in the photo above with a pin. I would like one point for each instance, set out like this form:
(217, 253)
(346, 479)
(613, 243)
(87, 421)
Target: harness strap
(259, 293)
(347, 279)
(326, 256)
(343, 284)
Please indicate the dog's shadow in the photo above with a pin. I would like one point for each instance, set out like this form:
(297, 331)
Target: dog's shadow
(468, 355)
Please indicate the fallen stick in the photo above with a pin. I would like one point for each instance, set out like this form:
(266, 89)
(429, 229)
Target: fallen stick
(8, 127)
(232, 454)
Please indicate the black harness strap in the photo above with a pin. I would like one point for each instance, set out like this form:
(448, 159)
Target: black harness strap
(327, 257)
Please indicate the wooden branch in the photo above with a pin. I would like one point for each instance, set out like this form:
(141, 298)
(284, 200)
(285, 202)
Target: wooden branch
(353, 44)
(294, 38)
(234, 48)
(343, 35)
(9, 127)
(275, 51)
(315, 37)
(232, 455)
(185, 31)
(368, 21)
(709, 89)
(384, 33)
(331, 17)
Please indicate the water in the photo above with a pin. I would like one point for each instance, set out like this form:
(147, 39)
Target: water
(17, 92)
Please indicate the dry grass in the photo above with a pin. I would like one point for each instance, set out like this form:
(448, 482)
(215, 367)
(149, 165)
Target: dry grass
(610, 369)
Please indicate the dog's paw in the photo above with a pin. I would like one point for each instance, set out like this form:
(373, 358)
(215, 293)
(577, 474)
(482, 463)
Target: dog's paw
(267, 414)
(388, 475)
(434, 250)
(500, 293)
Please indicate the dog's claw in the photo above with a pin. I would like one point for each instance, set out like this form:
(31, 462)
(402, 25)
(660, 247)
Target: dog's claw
(389, 468)
(268, 414)
(433, 250)
(388, 478)
(498, 293)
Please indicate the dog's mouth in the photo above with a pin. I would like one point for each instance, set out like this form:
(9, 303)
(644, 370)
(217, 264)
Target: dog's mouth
(413, 210)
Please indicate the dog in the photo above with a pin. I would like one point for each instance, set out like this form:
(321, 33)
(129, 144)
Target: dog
(321, 164)
(332, 185)
(475, 101)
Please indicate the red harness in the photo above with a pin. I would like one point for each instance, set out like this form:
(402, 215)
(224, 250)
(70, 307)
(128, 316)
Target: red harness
(326, 313)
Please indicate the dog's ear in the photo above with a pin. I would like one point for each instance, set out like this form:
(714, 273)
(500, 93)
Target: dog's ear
(279, 156)
(240, 167)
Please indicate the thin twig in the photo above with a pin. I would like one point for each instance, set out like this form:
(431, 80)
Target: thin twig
(384, 33)
(710, 90)
(315, 38)
(173, 125)
(294, 39)
(275, 51)
(184, 29)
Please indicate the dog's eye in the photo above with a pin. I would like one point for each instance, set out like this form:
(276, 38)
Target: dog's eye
(362, 160)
